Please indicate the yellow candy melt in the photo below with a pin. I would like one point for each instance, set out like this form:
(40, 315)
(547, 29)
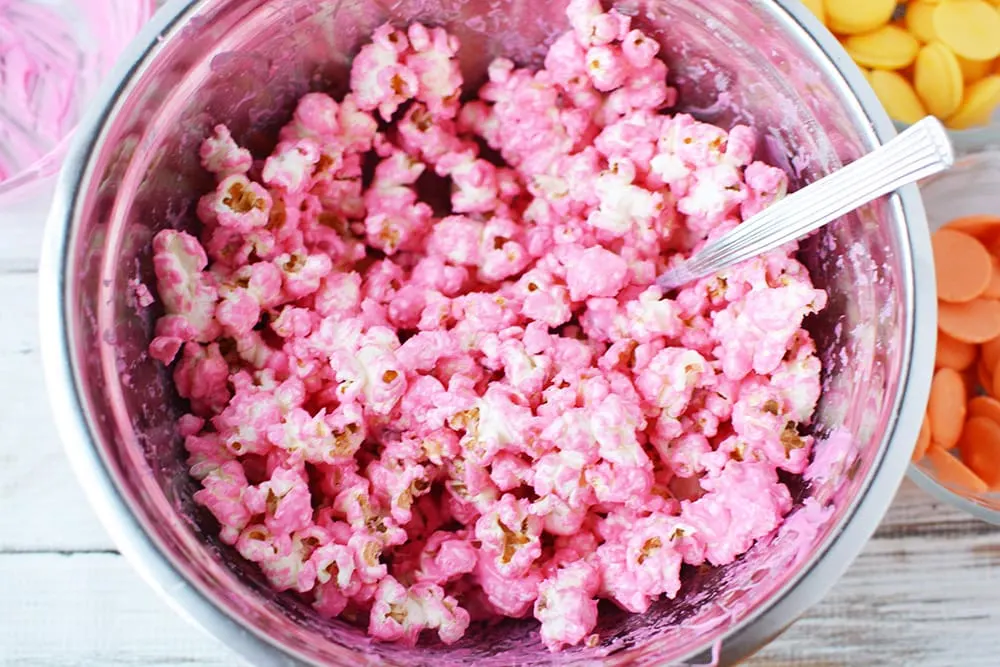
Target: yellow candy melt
(889, 47)
(919, 20)
(974, 70)
(981, 101)
(922, 56)
(897, 96)
(937, 79)
(970, 28)
(851, 17)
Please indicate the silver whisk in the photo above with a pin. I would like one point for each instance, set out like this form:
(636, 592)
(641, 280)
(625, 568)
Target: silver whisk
(921, 150)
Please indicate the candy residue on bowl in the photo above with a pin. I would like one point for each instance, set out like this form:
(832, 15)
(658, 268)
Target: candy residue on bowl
(53, 56)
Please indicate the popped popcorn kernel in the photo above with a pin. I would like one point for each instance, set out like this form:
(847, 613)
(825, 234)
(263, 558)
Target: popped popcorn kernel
(238, 204)
(222, 156)
(566, 605)
(428, 374)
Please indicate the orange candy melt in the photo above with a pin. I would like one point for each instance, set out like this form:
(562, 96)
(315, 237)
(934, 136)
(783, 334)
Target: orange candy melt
(979, 448)
(981, 226)
(963, 412)
(946, 407)
(953, 353)
(963, 266)
(984, 406)
(976, 321)
(952, 472)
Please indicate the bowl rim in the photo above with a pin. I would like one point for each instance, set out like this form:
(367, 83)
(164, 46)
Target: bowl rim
(815, 576)
(941, 492)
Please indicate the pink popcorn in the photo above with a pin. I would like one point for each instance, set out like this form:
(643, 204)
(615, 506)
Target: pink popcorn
(598, 272)
(291, 165)
(685, 455)
(639, 50)
(474, 179)
(745, 502)
(714, 194)
(302, 274)
(765, 185)
(445, 557)
(435, 273)
(427, 137)
(368, 563)
(201, 377)
(499, 419)
(566, 606)
(767, 321)
(293, 322)
(399, 613)
(501, 256)
(284, 500)
(320, 438)
(509, 471)
(671, 377)
(797, 380)
(221, 494)
(434, 63)
(316, 117)
(457, 239)
(615, 423)
(423, 395)
(565, 61)
(619, 483)
(390, 232)
(237, 312)
(256, 405)
(563, 474)
(606, 67)
(511, 596)
(423, 351)
(339, 295)
(206, 453)
(645, 88)
(634, 137)
(221, 155)
(559, 516)
(379, 79)
(238, 204)
(509, 534)
(651, 557)
(186, 290)
(623, 204)
(374, 374)
(291, 567)
(398, 484)
(592, 26)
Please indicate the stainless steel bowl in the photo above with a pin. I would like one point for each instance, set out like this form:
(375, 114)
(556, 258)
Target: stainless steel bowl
(133, 170)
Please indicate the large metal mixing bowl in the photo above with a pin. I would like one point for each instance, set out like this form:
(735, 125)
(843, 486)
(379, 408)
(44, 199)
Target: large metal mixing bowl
(134, 170)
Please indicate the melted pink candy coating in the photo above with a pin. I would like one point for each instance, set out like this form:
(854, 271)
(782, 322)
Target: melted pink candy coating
(496, 399)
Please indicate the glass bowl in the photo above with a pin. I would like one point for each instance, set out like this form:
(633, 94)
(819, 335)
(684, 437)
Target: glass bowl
(971, 187)
(53, 56)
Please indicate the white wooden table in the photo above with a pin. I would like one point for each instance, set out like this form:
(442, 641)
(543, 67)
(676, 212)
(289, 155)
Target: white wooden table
(926, 590)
